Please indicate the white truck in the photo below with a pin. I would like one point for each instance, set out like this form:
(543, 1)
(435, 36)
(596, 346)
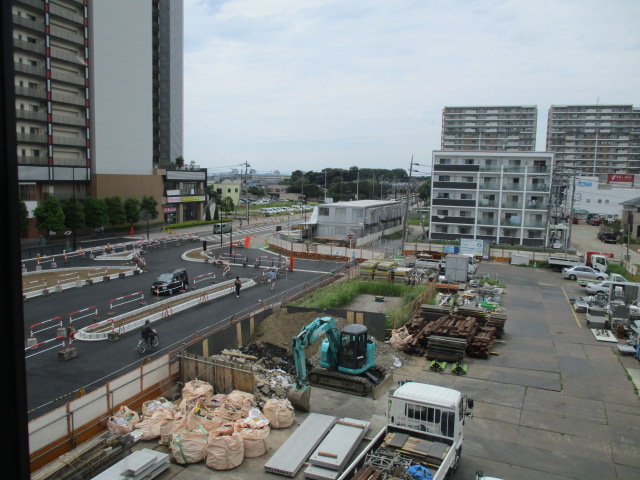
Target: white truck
(428, 262)
(597, 260)
(459, 268)
(424, 430)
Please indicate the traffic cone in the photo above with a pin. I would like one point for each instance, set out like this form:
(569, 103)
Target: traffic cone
(131, 231)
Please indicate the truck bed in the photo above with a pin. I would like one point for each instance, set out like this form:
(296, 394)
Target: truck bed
(393, 450)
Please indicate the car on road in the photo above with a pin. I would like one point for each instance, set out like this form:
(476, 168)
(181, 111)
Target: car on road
(171, 282)
(594, 288)
(582, 272)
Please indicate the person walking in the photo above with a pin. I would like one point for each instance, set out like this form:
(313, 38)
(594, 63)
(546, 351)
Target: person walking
(238, 284)
(271, 278)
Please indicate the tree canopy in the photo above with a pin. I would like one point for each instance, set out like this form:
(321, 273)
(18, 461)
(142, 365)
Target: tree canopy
(49, 215)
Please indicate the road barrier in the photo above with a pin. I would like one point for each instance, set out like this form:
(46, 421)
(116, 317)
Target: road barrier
(33, 342)
(84, 313)
(203, 277)
(132, 297)
(34, 285)
(97, 272)
(68, 276)
(35, 346)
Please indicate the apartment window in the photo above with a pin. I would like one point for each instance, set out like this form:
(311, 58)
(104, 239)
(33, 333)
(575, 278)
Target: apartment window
(442, 228)
(35, 152)
(33, 108)
(443, 195)
(27, 191)
(465, 196)
(464, 230)
(442, 213)
(467, 179)
(323, 211)
(341, 213)
(469, 161)
(32, 63)
(465, 213)
(444, 161)
(444, 178)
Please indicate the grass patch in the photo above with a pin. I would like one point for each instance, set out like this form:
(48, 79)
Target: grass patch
(341, 293)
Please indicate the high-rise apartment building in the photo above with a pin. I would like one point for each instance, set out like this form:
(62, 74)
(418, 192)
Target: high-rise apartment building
(595, 140)
(498, 128)
(98, 96)
(498, 197)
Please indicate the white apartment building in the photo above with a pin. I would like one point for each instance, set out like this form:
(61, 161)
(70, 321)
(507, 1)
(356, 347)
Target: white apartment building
(595, 140)
(499, 197)
(360, 221)
(489, 128)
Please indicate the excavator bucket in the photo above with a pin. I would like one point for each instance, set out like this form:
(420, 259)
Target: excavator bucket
(300, 399)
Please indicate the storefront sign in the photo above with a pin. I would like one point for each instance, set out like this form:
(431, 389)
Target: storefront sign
(620, 177)
(191, 198)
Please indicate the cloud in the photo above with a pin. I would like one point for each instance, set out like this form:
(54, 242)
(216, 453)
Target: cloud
(333, 83)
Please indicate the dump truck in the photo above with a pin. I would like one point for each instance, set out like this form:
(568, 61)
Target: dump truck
(424, 430)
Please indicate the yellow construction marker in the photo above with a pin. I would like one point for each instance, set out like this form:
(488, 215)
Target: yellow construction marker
(571, 306)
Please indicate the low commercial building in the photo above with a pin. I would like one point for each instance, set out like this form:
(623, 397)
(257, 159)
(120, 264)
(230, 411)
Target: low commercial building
(359, 222)
(185, 193)
(499, 197)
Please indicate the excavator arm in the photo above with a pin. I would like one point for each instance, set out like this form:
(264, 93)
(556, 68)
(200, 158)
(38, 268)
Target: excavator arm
(320, 327)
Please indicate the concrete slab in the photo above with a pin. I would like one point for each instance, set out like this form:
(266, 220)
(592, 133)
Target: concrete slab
(538, 400)
(499, 413)
(624, 454)
(580, 386)
(544, 461)
(600, 352)
(625, 472)
(517, 376)
(569, 349)
(567, 444)
(492, 429)
(501, 394)
(592, 429)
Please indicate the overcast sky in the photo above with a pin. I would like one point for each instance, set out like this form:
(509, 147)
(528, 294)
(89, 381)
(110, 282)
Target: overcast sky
(309, 84)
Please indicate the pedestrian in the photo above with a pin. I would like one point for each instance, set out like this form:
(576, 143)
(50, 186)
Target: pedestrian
(271, 278)
(240, 223)
(238, 284)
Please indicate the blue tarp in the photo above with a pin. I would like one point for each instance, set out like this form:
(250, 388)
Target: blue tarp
(418, 472)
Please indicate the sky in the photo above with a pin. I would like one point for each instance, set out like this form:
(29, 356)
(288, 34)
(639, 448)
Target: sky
(310, 84)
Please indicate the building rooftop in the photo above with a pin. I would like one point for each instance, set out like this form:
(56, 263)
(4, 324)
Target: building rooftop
(362, 203)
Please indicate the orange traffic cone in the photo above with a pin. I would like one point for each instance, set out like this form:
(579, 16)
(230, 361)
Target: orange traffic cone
(131, 231)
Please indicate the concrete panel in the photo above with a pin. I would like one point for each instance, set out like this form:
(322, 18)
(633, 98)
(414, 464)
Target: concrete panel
(538, 400)
(554, 422)
(568, 444)
(527, 378)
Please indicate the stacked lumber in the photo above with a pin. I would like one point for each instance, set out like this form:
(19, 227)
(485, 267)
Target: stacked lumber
(447, 349)
(482, 343)
(497, 321)
(433, 312)
(455, 326)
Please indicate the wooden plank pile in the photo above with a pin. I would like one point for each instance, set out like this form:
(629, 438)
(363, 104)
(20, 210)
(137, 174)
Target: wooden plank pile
(482, 343)
(487, 319)
(433, 312)
(448, 349)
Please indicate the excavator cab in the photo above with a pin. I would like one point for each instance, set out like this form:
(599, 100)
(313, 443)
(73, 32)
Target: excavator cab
(356, 354)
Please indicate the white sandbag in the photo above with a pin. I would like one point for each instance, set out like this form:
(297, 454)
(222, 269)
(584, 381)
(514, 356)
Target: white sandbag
(225, 449)
(197, 388)
(255, 440)
(189, 446)
(123, 420)
(279, 412)
(151, 406)
(168, 424)
(242, 401)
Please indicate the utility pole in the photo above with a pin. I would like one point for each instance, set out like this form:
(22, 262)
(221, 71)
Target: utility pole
(572, 177)
(325, 185)
(246, 189)
(406, 212)
(358, 185)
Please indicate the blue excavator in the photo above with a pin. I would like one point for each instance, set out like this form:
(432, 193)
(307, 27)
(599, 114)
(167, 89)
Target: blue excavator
(347, 359)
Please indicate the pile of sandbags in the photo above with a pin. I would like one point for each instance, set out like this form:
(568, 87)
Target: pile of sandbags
(123, 420)
(279, 412)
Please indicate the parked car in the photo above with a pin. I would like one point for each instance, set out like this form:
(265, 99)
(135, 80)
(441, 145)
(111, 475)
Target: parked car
(595, 221)
(171, 282)
(598, 287)
(608, 237)
(582, 272)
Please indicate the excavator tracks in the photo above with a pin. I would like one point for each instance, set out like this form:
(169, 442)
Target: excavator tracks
(340, 382)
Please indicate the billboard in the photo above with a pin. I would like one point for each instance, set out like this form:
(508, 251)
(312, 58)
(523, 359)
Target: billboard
(620, 177)
(471, 246)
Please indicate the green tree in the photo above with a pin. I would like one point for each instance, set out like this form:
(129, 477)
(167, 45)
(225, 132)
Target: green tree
(424, 191)
(73, 216)
(95, 212)
(227, 205)
(148, 210)
(257, 191)
(115, 211)
(180, 161)
(132, 210)
(49, 215)
(23, 217)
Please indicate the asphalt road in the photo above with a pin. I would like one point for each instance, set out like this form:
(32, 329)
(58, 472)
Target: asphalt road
(584, 239)
(51, 382)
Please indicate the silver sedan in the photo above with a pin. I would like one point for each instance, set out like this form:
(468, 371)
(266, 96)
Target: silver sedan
(582, 272)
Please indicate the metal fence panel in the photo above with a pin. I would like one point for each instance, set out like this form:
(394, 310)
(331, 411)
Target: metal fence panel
(89, 407)
(155, 372)
(125, 387)
(47, 429)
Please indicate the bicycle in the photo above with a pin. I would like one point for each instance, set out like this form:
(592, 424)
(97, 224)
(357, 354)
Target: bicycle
(143, 345)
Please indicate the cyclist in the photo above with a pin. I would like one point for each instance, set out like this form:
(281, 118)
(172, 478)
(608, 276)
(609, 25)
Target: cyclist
(147, 332)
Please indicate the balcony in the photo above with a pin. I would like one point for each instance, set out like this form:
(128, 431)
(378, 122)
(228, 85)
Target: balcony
(456, 168)
(72, 57)
(67, 35)
(70, 99)
(31, 92)
(37, 25)
(536, 205)
(66, 14)
(518, 187)
(31, 138)
(68, 120)
(487, 221)
(452, 220)
(538, 187)
(535, 224)
(70, 162)
(453, 203)
(489, 186)
(29, 69)
(67, 77)
(33, 47)
(511, 222)
(32, 160)
(73, 141)
(512, 205)
(455, 185)
(488, 204)
(28, 115)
